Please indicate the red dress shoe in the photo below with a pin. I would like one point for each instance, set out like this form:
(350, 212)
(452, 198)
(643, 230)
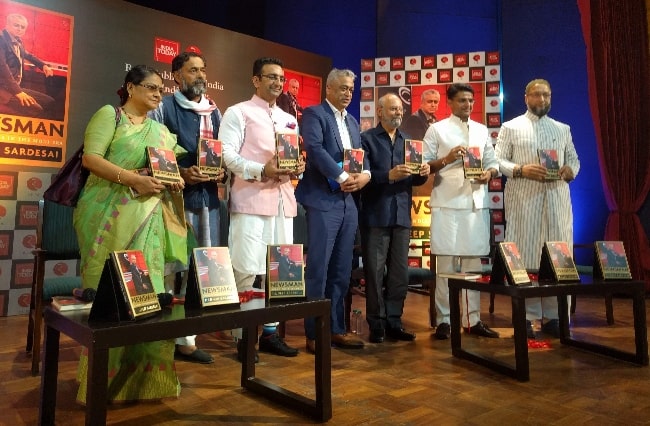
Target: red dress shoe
(346, 341)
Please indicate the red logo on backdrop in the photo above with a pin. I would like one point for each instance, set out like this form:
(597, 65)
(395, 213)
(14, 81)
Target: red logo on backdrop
(492, 58)
(366, 94)
(7, 186)
(460, 74)
(444, 76)
(444, 59)
(413, 77)
(461, 60)
(494, 103)
(428, 62)
(24, 300)
(415, 262)
(477, 74)
(60, 268)
(366, 108)
(496, 184)
(195, 49)
(493, 71)
(398, 77)
(29, 241)
(497, 231)
(382, 78)
(413, 61)
(427, 251)
(3, 211)
(382, 63)
(5, 245)
(494, 134)
(493, 88)
(367, 65)
(496, 198)
(493, 120)
(23, 274)
(476, 57)
(497, 216)
(397, 63)
(428, 76)
(27, 216)
(165, 50)
(34, 183)
(366, 78)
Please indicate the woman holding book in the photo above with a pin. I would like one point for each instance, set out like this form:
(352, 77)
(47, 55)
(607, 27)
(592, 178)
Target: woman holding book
(109, 218)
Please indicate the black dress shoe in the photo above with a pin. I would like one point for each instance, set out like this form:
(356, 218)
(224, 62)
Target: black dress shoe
(400, 334)
(481, 329)
(274, 344)
(530, 333)
(552, 327)
(443, 331)
(376, 336)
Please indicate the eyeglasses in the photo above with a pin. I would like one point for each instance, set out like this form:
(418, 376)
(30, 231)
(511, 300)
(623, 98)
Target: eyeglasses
(274, 77)
(152, 87)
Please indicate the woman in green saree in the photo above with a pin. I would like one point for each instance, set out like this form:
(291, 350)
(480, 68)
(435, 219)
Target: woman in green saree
(109, 218)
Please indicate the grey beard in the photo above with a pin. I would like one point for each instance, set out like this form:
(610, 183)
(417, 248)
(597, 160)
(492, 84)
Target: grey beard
(396, 122)
(195, 90)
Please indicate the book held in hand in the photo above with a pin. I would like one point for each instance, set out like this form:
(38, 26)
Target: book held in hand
(353, 160)
(287, 149)
(556, 263)
(507, 262)
(211, 282)
(473, 163)
(162, 165)
(209, 157)
(610, 261)
(413, 154)
(549, 159)
(285, 272)
(125, 290)
(69, 303)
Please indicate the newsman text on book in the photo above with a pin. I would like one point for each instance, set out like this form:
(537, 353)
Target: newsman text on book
(287, 149)
(162, 165)
(210, 157)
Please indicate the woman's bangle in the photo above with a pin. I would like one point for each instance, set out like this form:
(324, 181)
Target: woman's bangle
(444, 162)
(119, 174)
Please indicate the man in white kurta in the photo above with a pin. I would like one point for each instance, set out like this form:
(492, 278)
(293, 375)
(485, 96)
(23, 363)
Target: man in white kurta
(460, 218)
(537, 209)
(262, 201)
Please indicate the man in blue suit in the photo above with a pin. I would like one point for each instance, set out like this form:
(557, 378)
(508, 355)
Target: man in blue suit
(326, 193)
(385, 220)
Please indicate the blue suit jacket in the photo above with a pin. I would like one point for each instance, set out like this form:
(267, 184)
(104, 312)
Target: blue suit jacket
(324, 151)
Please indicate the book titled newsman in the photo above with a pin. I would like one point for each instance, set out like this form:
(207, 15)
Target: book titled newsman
(610, 261)
(353, 160)
(556, 263)
(125, 291)
(209, 157)
(507, 262)
(287, 150)
(548, 158)
(162, 165)
(473, 163)
(211, 282)
(285, 277)
(413, 154)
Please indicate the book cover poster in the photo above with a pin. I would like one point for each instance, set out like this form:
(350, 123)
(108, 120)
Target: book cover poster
(136, 282)
(508, 262)
(557, 263)
(473, 163)
(549, 159)
(353, 160)
(215, 276)
(611, 260)
(162, 164)
(287, 148)
(209, 157)
(413, 154)
(285, 274)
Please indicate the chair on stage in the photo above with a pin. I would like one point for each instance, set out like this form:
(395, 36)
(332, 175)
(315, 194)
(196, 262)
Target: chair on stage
(55, 240)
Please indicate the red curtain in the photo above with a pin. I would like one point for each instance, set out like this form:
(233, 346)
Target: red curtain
(618, 67)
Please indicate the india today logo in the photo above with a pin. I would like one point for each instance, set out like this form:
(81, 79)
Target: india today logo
(477, 74)
(23, 274)
(27, 216)
(397, 63)
(493, 58)
(413, 77)
(7, 186)
(493, 89)
(165, 50)
(381, 78)
(444, 76)
(460, 60)
(428, 62)
(367, 65)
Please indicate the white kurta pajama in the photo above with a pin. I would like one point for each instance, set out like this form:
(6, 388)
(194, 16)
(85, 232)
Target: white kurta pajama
(460, 218)
(536, 211)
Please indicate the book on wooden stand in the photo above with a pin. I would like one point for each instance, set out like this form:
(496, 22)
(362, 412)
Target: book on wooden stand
(70, 303)
(209, 157)
(507, 263)
(287, 150)
(125, 291)
(459, 275)
(413, 154)
(472, 163)
(548, 158)
(211, 280)
(556, 263)
(285, 278)
(162, 165)
(610, 261)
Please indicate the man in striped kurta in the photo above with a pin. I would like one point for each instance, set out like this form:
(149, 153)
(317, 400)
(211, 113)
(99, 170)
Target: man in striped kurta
(537, 209)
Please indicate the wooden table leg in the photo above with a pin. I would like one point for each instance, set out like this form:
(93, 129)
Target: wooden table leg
(323, 367)
(640, 328)
(97, 385)
(49, 377)
(521, 340)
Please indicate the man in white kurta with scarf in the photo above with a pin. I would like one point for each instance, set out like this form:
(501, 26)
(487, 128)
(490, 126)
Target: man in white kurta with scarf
(460, 217)
(537, 210)
(262, 201)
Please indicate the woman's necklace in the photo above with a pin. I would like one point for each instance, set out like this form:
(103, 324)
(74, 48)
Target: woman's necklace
(134, 119)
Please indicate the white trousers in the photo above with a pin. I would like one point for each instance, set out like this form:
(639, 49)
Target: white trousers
(470, 301)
